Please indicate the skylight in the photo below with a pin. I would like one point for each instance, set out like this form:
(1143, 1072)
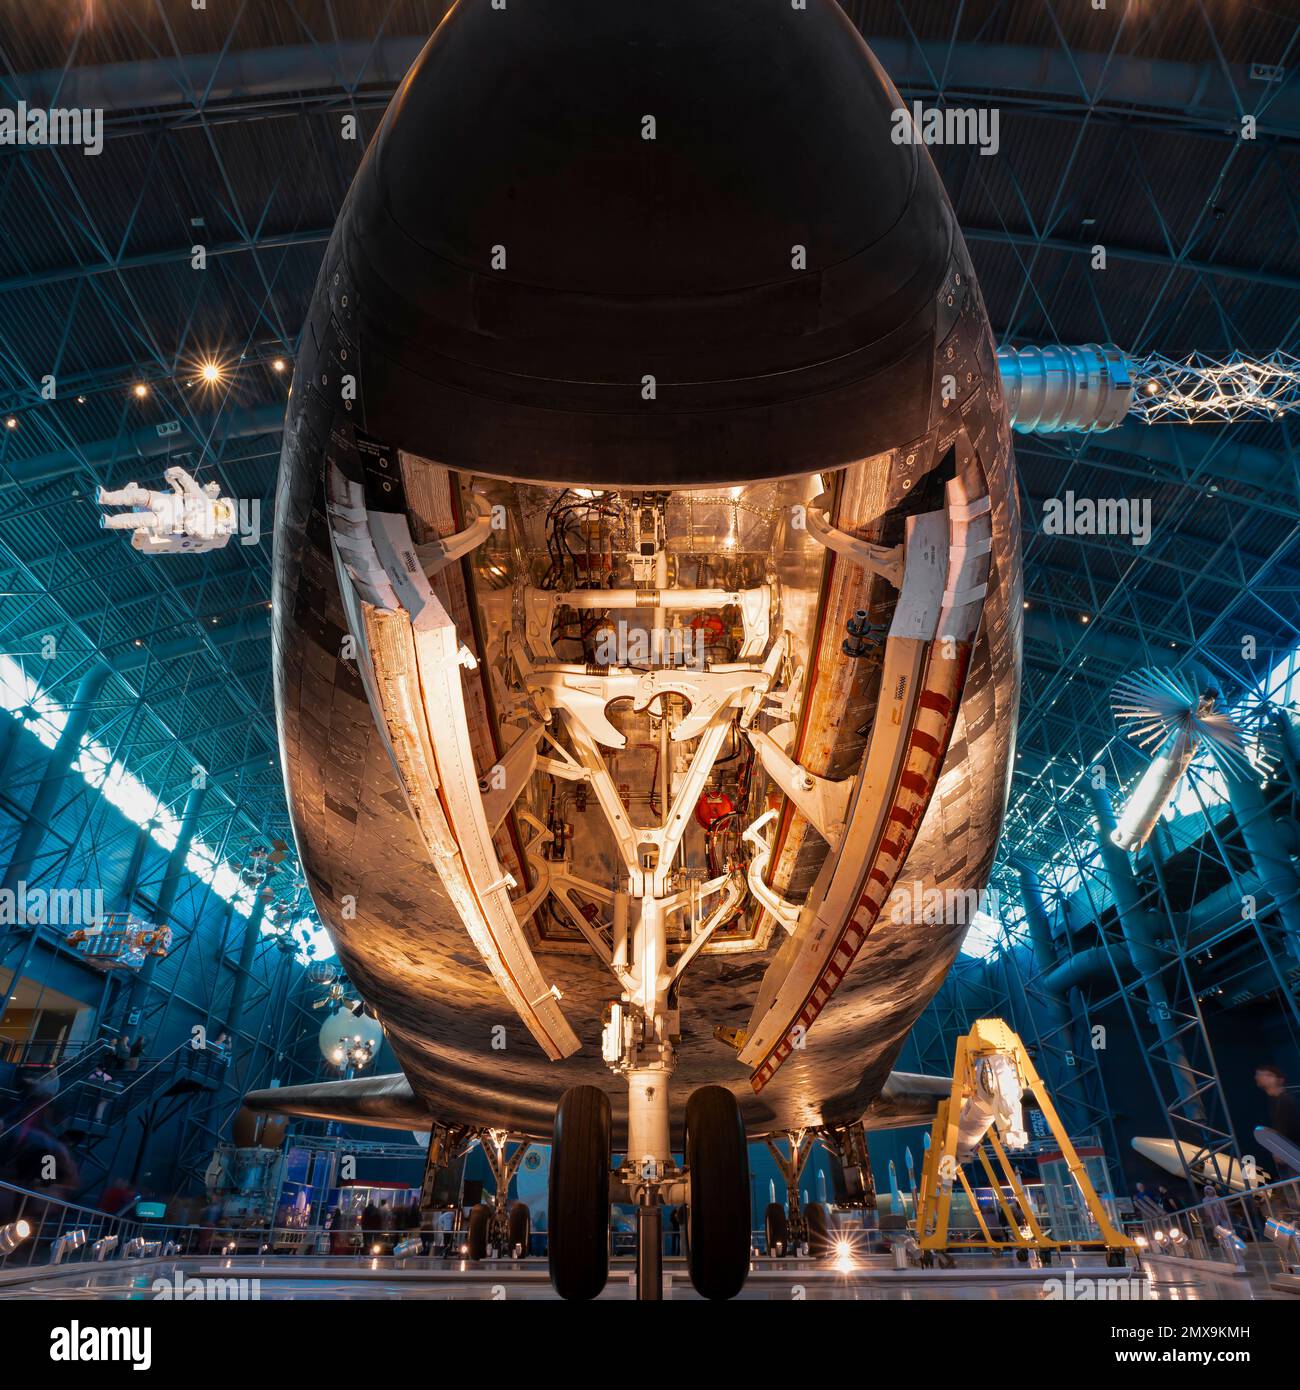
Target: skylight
(20, 697)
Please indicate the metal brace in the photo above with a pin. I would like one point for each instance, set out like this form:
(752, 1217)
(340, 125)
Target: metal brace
(884, 560)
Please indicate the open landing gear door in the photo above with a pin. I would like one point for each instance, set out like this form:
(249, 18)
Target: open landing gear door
(945, 577)
(412, 662)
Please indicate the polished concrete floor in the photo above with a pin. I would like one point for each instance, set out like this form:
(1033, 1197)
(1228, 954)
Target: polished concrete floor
(871, 1278)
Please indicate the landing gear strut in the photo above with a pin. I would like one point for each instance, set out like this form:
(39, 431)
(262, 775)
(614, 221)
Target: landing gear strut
(652, 904)
(499, 1227)
(796, 1228)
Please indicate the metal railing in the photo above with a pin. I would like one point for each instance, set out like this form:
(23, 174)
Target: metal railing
(89, 1235)
(60, 1056)
(95, 1107)
(1245, 1232)
(51, 1219)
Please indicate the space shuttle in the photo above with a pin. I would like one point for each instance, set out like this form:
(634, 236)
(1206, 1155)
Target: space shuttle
(647, 600)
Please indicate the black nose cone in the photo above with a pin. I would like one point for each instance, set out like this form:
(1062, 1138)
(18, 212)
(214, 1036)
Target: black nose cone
(644, 241)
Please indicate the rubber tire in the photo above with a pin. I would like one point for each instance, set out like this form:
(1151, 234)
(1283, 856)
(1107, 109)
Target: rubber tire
(777, 1228)
(717, 1157)
(476, 1238)
(577, 1220)
(820, 1243)
(1022, 1255)
(1116, 1259)
(520, 1225)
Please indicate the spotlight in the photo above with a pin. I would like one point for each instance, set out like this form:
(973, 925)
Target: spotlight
(211, 373)
(69, 1240)
(139, 390)
(13, 1235)
(278, 365)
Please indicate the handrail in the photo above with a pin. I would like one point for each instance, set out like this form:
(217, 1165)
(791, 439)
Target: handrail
(126, 1090)
(57, 1201)
(70, 1054)
(1238, 1230)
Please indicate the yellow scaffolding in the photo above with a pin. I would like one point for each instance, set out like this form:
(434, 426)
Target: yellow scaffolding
(991, 1037)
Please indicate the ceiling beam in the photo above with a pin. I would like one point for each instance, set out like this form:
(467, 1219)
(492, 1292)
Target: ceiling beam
(148, 443)
(151, 260)
(1208, 95)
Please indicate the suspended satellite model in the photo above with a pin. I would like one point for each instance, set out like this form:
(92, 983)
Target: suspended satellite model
(1166, 711)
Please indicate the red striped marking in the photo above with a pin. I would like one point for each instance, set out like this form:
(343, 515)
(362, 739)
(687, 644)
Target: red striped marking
(922, 788)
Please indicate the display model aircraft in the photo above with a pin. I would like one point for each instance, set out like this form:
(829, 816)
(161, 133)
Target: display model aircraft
(647, 601)
(1184, 1159)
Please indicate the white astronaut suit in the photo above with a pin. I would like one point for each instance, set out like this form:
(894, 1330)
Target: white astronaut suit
(191, 517)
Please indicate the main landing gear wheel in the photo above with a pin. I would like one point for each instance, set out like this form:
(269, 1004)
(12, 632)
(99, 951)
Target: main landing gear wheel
(1116, 1259)
(520, 1228)
(777, 1228)
(578, 1201)
(717, 1222)
(476, 1239)
(819, 1230)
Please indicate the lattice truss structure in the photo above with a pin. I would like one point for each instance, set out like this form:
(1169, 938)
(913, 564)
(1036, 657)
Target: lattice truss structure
(1200, 389)
(1119, 128)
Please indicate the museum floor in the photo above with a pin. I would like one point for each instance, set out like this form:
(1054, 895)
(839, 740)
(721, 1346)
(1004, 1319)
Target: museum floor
(874, 1278)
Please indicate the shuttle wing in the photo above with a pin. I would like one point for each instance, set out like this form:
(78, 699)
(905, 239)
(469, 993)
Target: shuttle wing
(388, 1102)
(384, 1102)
